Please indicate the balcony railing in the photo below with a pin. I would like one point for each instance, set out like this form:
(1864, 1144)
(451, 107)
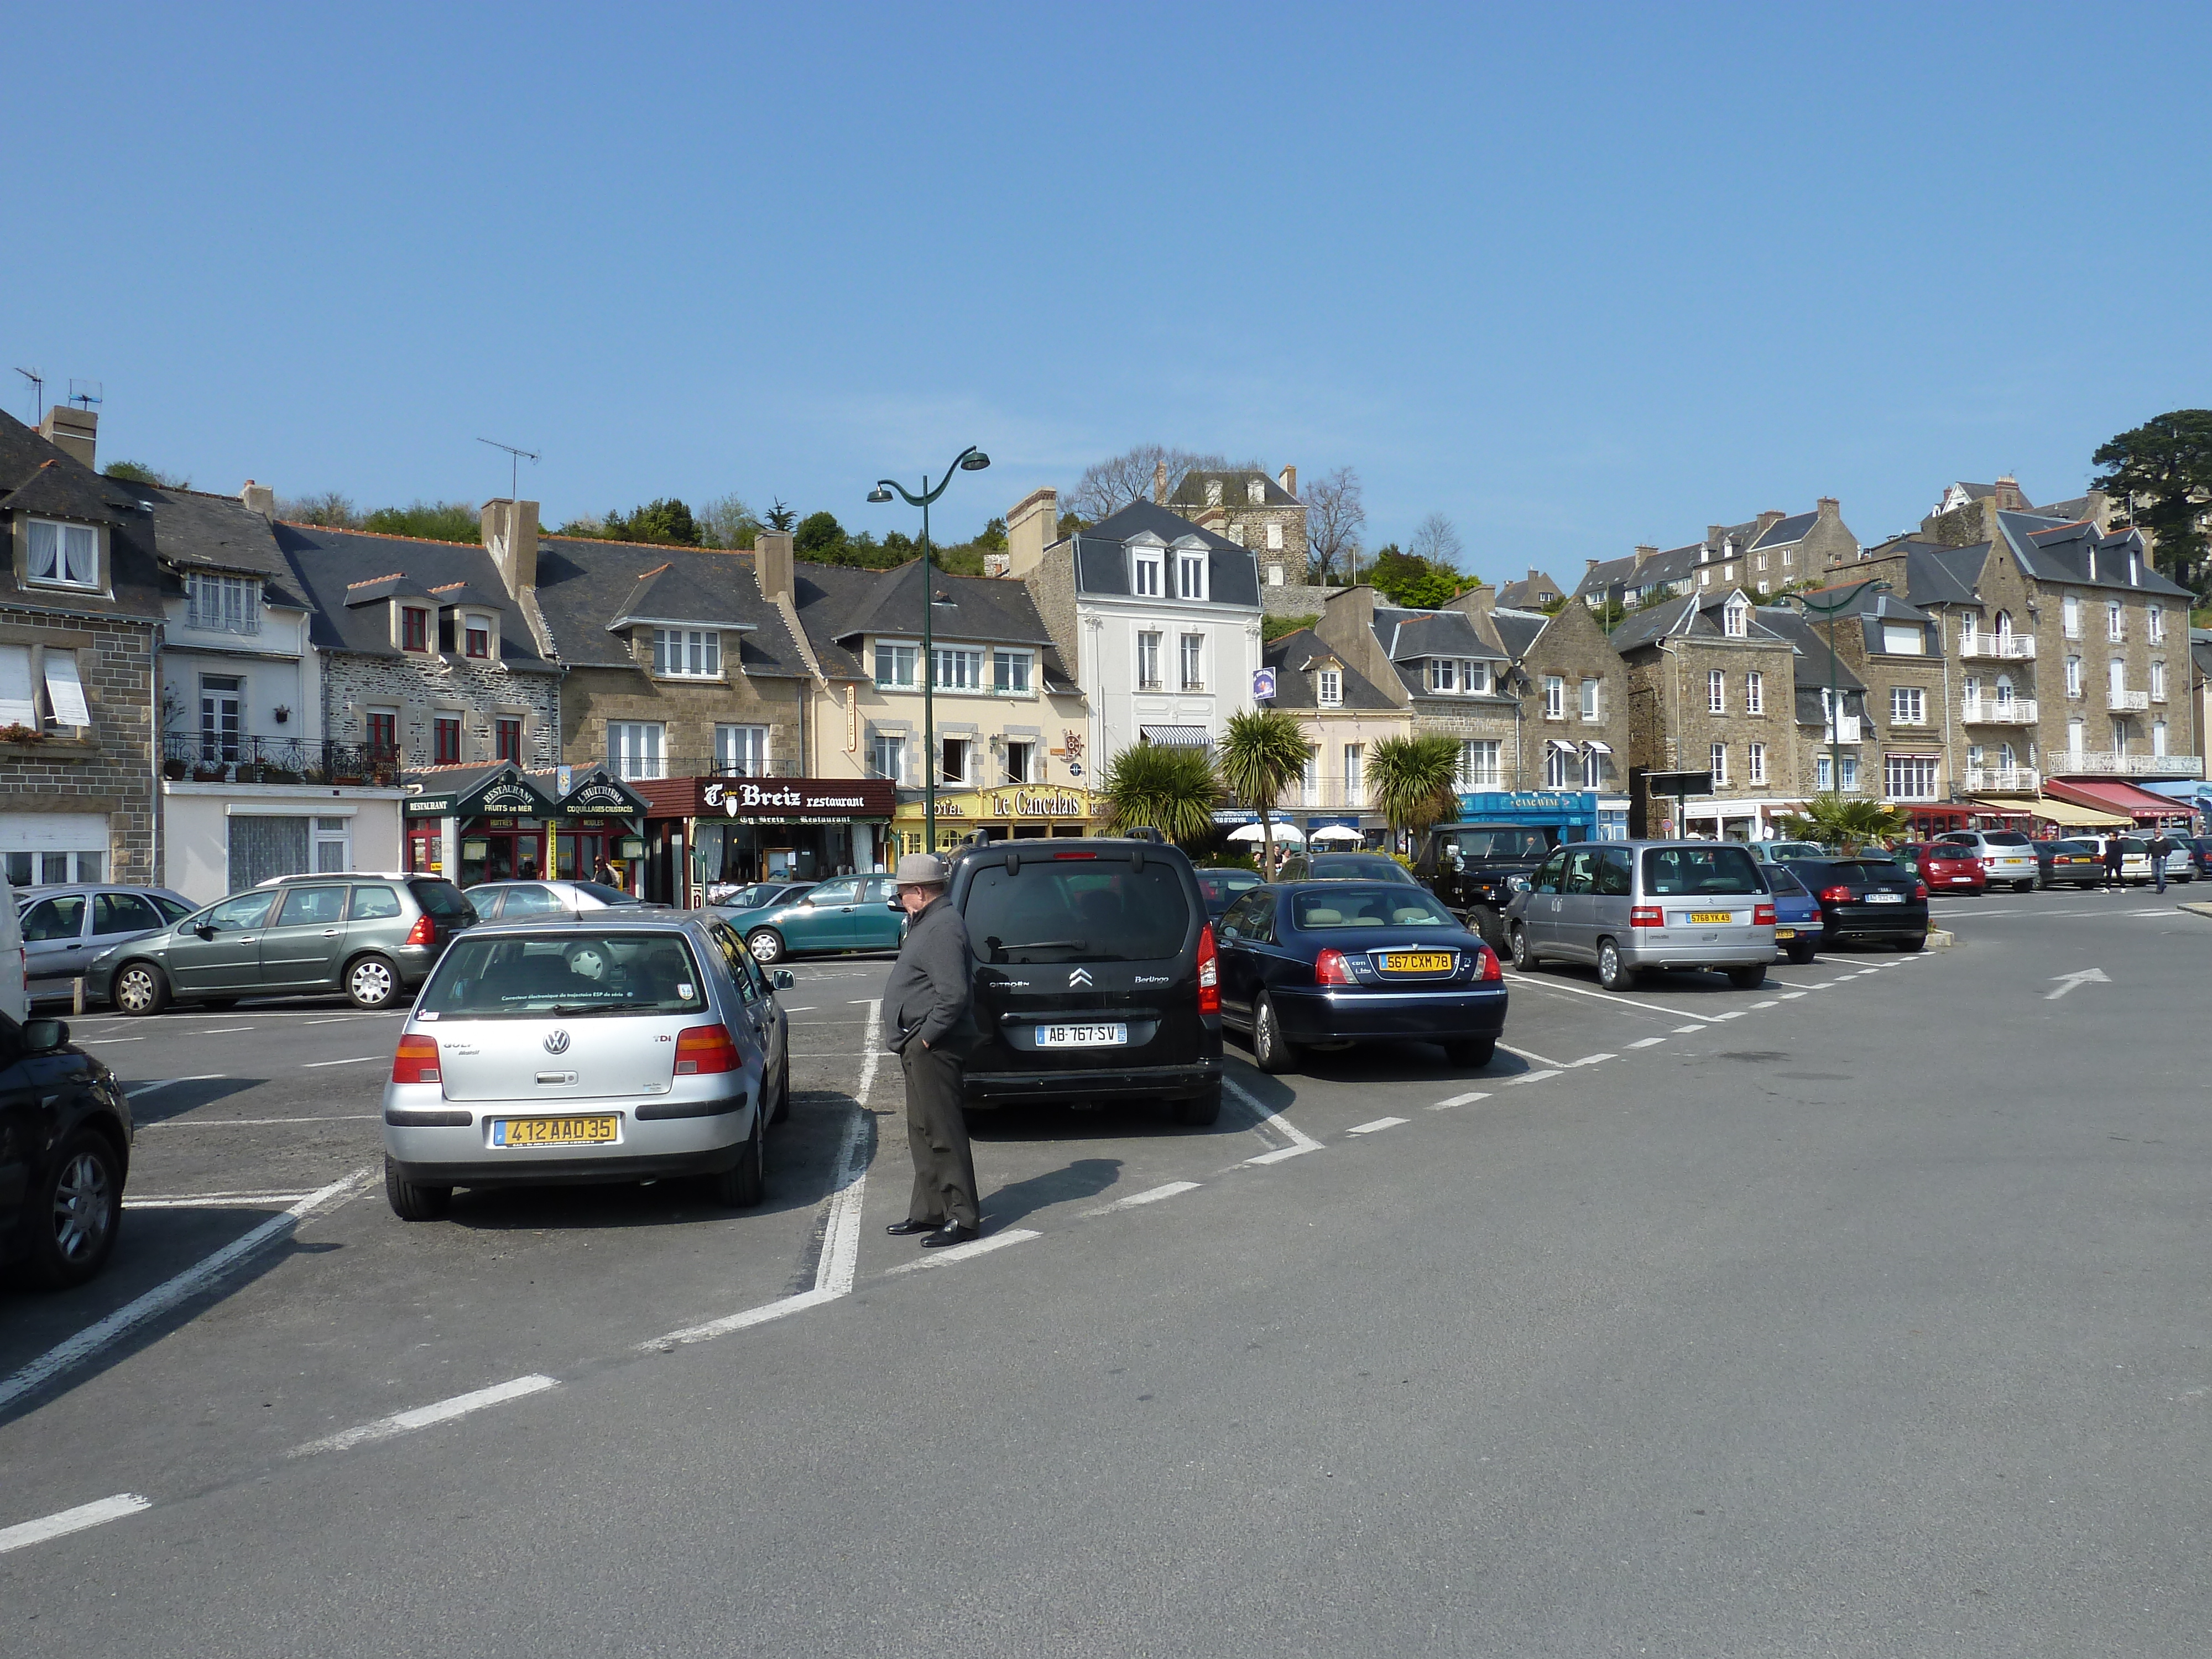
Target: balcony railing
(2127, 702)
(2000, 711)
(2000, 648)
(2004, 780)
(2104, 763)
(218, 758)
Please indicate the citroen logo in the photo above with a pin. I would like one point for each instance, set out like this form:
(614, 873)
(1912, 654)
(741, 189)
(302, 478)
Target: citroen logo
(1080, 976)
(556, 1042)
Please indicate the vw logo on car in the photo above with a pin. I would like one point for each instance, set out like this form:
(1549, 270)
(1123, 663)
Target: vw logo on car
(556, 1042)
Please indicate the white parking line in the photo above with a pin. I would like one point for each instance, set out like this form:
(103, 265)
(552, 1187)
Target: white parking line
(172, 1292)
(213, 1201)
(1530, 1053)
(840, 1213)
(1589, 1060)
(1379, 1123)
(1645, 1043)
(1770, 1003)
(1530, 1076)
(356, 1060)
(60, 1525)
(803, 1008)
(1153, 1195)
(1461, 1100)
(424, 1417)
(135, 1090)
(1584, 990)
(782, 1307)
(974, 1247)
(1301, 1142)
(1733, 1013)
(1684, 1030)
(220, 1030)
(1790, 996)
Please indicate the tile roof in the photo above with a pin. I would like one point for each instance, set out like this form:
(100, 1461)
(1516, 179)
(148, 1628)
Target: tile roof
(1293, 656)
(586, 588)
(329, 563)
(1102, 562)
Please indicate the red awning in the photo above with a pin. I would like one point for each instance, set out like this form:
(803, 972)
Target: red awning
(2122, 798)
(1939, 811)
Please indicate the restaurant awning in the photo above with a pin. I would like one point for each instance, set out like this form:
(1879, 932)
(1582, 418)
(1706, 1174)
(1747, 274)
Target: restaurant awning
(501, 791)
(2067, 815)
(2136, 805)
(1176, 737)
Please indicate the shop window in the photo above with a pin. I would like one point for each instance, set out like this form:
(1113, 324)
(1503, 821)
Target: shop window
(446, 739)
(414, 627)
(64, 555)
(506, 739)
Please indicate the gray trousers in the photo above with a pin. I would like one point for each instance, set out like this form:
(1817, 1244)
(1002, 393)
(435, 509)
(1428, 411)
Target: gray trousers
(937, 1135)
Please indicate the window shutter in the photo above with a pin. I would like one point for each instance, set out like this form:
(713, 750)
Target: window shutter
(64, 690)
(17, 705)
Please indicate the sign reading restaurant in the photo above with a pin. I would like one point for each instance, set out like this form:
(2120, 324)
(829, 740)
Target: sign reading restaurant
(834, 800)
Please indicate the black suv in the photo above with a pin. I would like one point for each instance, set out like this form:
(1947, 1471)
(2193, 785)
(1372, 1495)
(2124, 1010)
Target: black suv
(65, 1132)
(1096, 976)
(1475, 868)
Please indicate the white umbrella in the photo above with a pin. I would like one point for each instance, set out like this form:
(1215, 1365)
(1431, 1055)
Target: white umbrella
(1284, 832)
(1336, 832)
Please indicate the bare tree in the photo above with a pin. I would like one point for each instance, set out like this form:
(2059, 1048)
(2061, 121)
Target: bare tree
(726, 521)
(331, 507)
(1335, 509)
(1435, 540)
(1106, 487)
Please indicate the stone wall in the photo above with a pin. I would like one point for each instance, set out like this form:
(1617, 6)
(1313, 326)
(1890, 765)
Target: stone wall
(1573, 646)
(690, 710)
(1672, 726)
(1294, 599)
(110, 767)
(423, 688)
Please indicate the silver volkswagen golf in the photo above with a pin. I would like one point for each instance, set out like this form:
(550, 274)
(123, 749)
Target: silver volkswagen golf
(623, 1046)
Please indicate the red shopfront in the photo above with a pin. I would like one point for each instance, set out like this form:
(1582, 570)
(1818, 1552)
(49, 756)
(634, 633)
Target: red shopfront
(503, 824)
(707, 833)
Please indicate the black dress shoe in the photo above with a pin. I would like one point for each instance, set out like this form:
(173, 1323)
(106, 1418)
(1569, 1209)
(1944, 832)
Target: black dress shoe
(901, 1229)
(951, 1233)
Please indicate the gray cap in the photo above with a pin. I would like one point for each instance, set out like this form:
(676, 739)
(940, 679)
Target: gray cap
(921, 870)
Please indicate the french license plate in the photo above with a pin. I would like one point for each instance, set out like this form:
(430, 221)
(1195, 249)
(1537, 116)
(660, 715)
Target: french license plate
(1712, 916)
(555, 1131)
(1885, 898)
(1082, 1036)
(1417, 962)
(1786, 932)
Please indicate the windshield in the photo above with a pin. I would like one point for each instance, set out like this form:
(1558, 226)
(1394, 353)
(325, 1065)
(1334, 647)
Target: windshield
(566, 976)
(1782, 883)
(1673, 871)
(1226, 884)
(1507, 843)
(442, 899)
(1796, 849)
(1368, 907)
(1077, 910)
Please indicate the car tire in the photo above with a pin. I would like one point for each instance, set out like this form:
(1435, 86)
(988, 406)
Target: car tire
(371, 982)
(1488, 925)
(76, 1212)
(1612, 973)
(1747, 979)
(1474, 1052)
(1801, 954)
(1199, 1111)
(782, 1087)
(414, 1200)
(742, 1185)
(139, 988)
(766, 945)
(1918, 942)
(1524, 959)
(2023, 887)
(1271, 1052)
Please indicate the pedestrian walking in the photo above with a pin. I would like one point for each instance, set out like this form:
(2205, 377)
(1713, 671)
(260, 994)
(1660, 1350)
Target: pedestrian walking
(603, 873)
(2161, 847)
(2115, 857)
(930, 1004)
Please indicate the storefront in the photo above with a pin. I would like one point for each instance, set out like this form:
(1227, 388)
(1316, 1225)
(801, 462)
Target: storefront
(1017, 812)
(1574, 814)
(703, 834)
(501, 824)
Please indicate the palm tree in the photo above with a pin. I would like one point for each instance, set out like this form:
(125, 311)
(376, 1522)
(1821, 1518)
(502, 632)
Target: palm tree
(1414, 781)
(1848, 822)
(1262, 751)
(1172, 790)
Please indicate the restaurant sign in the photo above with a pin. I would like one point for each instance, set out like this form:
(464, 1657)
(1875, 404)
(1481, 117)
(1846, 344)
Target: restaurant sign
(1013, 805)
(820, 800)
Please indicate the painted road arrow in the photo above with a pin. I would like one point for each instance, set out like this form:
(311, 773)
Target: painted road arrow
(2067, 982)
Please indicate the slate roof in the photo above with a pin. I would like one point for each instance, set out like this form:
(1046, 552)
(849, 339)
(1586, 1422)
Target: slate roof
(1536, 589)
(586, 588)
(1407, 635)
(39, 478)
(1295, 681)
(1687, 615)
(194, 530)
(841, 607)
(1785, 531)
(1674, 564)
(1102, 560)
(1811, 666)
(327, 562)
(1234, 491)
(1517, 630)
(2055, 552)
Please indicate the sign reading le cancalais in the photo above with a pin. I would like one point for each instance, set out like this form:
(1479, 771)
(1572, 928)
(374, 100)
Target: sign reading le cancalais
(831, 799)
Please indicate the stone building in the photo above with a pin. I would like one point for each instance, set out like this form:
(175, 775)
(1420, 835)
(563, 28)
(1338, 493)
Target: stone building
(1766, 553)
(1446, 668)
(1345, 715)
(1572, 688)
(1532, 593)
(1249, 508)
(79, 627)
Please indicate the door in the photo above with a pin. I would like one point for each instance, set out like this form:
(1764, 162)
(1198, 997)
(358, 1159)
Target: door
(876, 925)
(302, 948)
(221, 952)
(1539, 914)
(530, 900)
(827, 921)
(1574, 912)
(1247, 923)
(219, 723)
(54, 950)
(1609, 907)
(754, 999)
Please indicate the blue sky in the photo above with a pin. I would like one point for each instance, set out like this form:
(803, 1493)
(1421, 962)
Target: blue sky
(1576, 276)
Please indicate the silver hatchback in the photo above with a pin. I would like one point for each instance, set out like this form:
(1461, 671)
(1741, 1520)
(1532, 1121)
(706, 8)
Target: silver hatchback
(623, 1046)
(1628, 906)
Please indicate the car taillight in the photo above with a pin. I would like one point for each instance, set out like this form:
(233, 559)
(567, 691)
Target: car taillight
(416, 1060)
(1209, 973)
(1646, 916)
(1762, 915)
(704, 1048)
(424, 932)
(1331, 969)
(1920, 889)
(1490, 972)
(1835, 895)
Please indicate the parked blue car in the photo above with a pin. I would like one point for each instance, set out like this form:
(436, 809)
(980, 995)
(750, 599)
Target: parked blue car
(851, 912)
(1798, 929)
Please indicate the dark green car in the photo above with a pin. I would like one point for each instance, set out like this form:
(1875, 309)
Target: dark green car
(374, 936)
(851, 912)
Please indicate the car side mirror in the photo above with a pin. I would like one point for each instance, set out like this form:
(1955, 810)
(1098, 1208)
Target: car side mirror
(783, 979)
(893, 904)
(43, 1037)
(204, 931)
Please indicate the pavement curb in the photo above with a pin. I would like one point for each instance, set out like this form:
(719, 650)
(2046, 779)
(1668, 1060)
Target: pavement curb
(1942, 938)
(2196, 909)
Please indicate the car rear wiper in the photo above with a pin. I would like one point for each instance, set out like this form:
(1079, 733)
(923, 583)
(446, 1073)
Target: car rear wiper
(1042, 945)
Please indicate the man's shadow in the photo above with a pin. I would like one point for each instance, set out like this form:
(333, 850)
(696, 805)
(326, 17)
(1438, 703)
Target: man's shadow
(1085, 1178)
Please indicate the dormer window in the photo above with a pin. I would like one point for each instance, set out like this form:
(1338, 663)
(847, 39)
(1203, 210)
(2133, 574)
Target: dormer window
(1213, 492)
(1328, 687)
(414, 627)
(1144, 574)
(1190, 575)
(1256, 491)
(223, 605)
(64, 555)
(1441, 675)
(476, 637)
(687, 653)
(1736, 617)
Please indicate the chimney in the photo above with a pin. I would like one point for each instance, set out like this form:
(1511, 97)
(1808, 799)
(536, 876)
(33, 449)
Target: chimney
(1159, 483)
(1289, 480)
(1644, 555)
(510, 534)
(1032, 527)
(1589, 565)
(772, 565)
(1767, 520)
(72, 431)
(1828, 509)
(259, 498)
(2008, 498)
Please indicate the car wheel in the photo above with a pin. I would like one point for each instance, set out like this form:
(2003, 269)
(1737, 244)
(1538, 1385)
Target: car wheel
(1801, 954)
(1272, 1051)
(766, 945)
(372, 982)
(1747, 979)
(414, 1200)
(1612, 973)
(141, 989)
(741, 1186)
(1524, 959)
(1475, 1052)
(1488, 924)
(1918, 942)
(76, 1212)
(1200, 1110)
(782, 1087)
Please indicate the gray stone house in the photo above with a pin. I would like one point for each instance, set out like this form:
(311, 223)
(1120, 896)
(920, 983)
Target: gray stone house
(1445, 668)
(1252, 510)
(1573, 692)
(1766, 553)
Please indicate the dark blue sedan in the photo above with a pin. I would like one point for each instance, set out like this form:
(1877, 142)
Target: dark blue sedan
(1798, 927)
(1329, 963)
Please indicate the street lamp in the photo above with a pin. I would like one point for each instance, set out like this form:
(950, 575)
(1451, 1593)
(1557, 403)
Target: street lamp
(1835, 704)
(970, 459)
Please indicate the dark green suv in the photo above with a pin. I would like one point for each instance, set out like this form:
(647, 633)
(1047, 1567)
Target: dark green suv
(372, 937)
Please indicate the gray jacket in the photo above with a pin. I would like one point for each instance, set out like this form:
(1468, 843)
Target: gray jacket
(931, 994)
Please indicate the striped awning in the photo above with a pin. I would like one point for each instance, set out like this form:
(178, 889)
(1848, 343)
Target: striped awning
(1176, 737)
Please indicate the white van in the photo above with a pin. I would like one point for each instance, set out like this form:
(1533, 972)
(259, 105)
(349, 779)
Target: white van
(14, 992)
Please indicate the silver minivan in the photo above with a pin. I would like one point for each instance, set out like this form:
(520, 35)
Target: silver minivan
(1628, 906)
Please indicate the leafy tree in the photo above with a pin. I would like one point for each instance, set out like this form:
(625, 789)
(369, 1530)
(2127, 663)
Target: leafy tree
(665, 522)
(1072, 522)
(726, 521)
(1335, 509)
(331, 507)
(780, 517)
(1408, 579)
(137, 472)
(2163, 470)
(820, 537)
(993, 538)
(1414, 781)
(1845, 822)
(1274, 628)
(1168, 788)
(1261, 750)
(437, 521)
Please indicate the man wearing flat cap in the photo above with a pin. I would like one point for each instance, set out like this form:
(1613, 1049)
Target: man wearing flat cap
(931, 1004)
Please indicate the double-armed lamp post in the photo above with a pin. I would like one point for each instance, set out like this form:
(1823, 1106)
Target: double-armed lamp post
(970, 459)
(1835, 710)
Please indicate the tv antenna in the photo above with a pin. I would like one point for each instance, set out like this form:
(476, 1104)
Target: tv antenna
(86, 393)
(514, 460)
(39, 387)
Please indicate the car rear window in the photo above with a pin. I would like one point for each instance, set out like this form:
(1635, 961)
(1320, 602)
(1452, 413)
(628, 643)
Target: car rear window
(1672, 871)
(606, 895)
(2069, 846)
(1226, 884)
(1076, 910)
(573, 974)
(1796, 849)
(1498, 843)
(2007, 838)
(442, 899)
(1358, 867)
(1781, 881)
(1856, 870)
(1381, 906)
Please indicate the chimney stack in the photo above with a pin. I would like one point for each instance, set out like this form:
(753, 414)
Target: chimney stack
(259, 498)
(1644, 555)
(1767, 520)
(72, 431)
(1159, 483)
(1032, 527)
(2008, 498)
(772, 566)
(510, 535)
(1591, 564)
(1289, 480)
(1830, 509)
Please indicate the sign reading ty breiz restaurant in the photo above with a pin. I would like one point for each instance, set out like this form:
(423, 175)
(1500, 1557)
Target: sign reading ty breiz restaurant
(794, 800)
